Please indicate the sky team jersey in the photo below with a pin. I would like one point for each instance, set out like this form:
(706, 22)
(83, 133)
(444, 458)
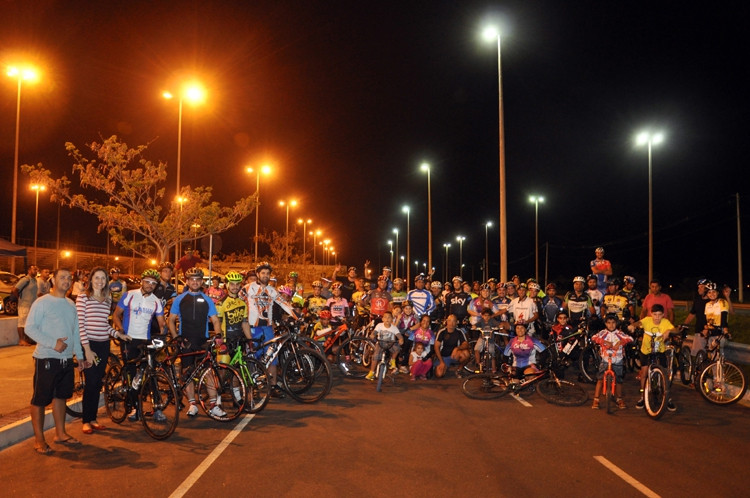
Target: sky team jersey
(339, 307)
(233, 312)
(616, 303)
(523, 350)
(458, 304)
(717, 313)
(422, 301)
(193, 310)
(650, 328)
(138, 310)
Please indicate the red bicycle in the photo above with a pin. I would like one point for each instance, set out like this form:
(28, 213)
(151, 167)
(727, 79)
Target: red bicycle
(609, 380)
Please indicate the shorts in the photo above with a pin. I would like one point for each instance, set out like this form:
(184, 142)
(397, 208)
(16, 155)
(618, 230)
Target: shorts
(266, 333)
(645, 359)
(191, 345)
(53, 378)
(479, 347)
(448, 361)
(616, 367)
(23, 312)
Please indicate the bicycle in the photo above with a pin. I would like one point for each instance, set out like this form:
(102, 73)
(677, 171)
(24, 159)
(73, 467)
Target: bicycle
(355, 356)
(609, 381)
(74, 406)
(720, 382)
(155, 395)
(656, 390)
(254, 375)
(229, 390)
(383, 360)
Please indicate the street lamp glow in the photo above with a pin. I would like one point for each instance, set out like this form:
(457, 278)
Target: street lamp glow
(460, 239)
(395, 272)
(536, 200)
(486, 251)
(490, 33)
(426, 168)
(648, 138)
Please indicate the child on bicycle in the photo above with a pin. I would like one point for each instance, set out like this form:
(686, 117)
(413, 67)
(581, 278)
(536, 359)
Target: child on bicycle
(386, 331)
(658, 327)
(612, 341)
(486, 323)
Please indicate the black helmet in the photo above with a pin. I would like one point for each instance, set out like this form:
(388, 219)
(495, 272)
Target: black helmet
(194, 272)
(263, 265)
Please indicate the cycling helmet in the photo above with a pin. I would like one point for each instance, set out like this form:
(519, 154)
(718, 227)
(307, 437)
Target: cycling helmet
(613, 281)
(628, 279)
(263, 265)
(233, 276)
(522, 286)
(285, 290)
(457, 278)
(164, 264)
(114, 270)
(510, 284)
(386, 268)
(579, 279)
(419, 278)
(382, 278)
(150, 273)
(436, 284)
(600, 248)
(352, 268)
(529, 280)
(293, 274)
(336, 285)
(325, 314)
(398, 281)
(711, 286)
(551, 285)
(703, 281)
(492, 280)
(316, 283)
(591, 277)
(487, 286)
(194, 273)
(533, 286)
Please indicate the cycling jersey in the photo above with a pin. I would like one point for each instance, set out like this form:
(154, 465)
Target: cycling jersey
(339, 307)
(616, 337)
(398, 296)
(477, 305)
(378, 301)
(457, 304)
(615, 303)
(422, 301)
(717, 313)
(116, 289)
(596, 299)
(260, 300)
(348, 287)
(578, 306)
(216, 294)
(601, 279)
(193, 310)
(449, 340)
(362, 307)
(314, 304)
(233, 313)
(551, 306)
(523, 311)
(524, 350)
(138, 310)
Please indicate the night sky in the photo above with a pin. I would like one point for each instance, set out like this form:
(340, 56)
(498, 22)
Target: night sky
(345, 102)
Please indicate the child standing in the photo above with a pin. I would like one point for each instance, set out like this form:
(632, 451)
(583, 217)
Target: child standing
(612, 342)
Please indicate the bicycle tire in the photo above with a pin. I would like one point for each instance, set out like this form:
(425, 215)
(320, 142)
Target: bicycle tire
(699, 364)
(257, 383)
(485, 386)
(79, 384)
(157, 395)
(588, 363)
(230, 389)
(656, 392)
(307, 376)
(355, 357)
(380, 375)
(686, 366)
(116, 394)
(471, 366)
(608, 384)
(722, 383)
(562, 392)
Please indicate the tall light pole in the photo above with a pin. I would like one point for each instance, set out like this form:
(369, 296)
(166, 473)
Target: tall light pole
(492, 34)
(416, 267)
(36, 188)
(649, 138)
(194, 93)
(536, 199)
(29, 74)
(315, 235)
(265, 170)
(390, 246)
(447, 268)
(426, 168)
(178, 246)
(403, 265)
(304, 224)
(460, 239)
(486, 251)
(395, 273)
(288, 204)
(406, 210)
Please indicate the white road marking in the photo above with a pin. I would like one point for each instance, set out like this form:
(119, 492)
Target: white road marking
(626, 477)
(206, 463)
(521, 400)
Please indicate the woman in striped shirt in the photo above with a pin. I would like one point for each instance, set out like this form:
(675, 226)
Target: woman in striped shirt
(93, 306)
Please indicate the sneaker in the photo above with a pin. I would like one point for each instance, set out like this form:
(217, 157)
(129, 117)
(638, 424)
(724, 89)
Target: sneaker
(621, 404)
(671, 407)
(133, 416)
(393, 364)
(403, 370)
(193, 410)
(159, 416)
(277, 392)
(370, 376)
(595, 405)
(216, 411)
(640, 404)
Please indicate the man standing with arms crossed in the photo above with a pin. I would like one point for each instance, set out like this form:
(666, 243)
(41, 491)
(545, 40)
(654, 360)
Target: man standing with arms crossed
(53, 323)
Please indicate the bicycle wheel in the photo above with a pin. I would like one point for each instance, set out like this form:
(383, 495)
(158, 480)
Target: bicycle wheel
(116, 394)
(700, 363)
(608, 384)
(485, 386)
(221, 387)
(562, 392)
(380, 375)
(79, 383)
(588, 363)
(656, 392)
(307, 376)
(686, 366)
(472, 367)
(157, 405)
(257, 383)
(355, 357)
(722, 383)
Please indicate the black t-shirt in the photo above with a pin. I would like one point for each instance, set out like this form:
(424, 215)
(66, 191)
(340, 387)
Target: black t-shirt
(449, 340)
(699, 310)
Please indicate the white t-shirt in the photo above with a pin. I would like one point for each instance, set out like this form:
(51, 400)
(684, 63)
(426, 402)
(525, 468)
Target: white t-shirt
(384, 333)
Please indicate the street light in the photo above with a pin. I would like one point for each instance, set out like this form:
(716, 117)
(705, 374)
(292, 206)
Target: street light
(325, 251)
(291, 203)
(21, 74)
(406, 210)
(265, 170)
(178, 246)
(447, 269)
(426, 168)
(304, 224)
(390, 245)
(486, 252)
(315, 235)
(536, 199)
(490, 34)
(416, 267)
(649, 138)
(36, 188)
(395, 273)
(460, 239)
(195, 227)
(194, 93)
(403, 264)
